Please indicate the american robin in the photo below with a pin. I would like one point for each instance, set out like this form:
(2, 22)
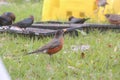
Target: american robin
(10, 14)
(72, 19)
(25, 22)
(113, 18)
(101, 3)
(7, 18)
(54, 46)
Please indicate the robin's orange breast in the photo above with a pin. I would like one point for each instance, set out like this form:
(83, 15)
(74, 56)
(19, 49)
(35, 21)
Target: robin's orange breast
(54, 50)
(114, 22)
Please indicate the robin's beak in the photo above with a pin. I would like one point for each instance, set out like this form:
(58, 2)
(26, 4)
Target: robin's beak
(64, 30)
(107, 3)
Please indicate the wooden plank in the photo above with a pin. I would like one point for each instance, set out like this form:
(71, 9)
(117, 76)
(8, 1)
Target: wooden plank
(86, 25)
(48, 29)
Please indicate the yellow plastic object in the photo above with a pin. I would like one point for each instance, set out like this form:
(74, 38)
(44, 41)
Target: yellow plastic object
(116, 6)
(62, 9)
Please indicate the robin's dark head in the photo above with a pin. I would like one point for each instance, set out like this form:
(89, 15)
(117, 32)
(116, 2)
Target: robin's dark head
(106, 3)
(71, 17)
(31, 16)
(10, 14)
(107, 15)
(59, 33)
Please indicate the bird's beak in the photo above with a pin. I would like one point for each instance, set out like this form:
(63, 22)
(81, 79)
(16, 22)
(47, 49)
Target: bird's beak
(64, 30)
(107, 3)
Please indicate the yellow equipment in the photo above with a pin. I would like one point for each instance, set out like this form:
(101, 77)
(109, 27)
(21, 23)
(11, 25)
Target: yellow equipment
(62, 9)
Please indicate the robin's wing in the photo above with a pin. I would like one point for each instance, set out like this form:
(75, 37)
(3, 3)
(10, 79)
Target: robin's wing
(1, 20)
(24, 23)
(75, 20)
(27, 20)
(54, 43)
(115, 17)
(5, 20)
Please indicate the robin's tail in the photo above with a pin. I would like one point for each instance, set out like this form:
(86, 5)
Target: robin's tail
(34, 52)
(86, 19)
(31, 53)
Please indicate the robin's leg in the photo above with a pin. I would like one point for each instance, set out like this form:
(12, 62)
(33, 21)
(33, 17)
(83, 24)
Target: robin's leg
(50, 60)
(49, 67)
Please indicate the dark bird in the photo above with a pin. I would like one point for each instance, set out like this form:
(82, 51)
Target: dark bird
(5, 21)
(113, 18)
(54, 46)
(7, 18)
(77, 20)
(27, 22)
(10, 14)
(101, 3)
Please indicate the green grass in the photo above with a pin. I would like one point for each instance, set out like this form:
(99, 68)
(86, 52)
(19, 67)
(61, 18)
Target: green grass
(24, 10)
(101, 61)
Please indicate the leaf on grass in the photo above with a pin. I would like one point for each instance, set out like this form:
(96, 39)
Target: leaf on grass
(82, 55)
(80, 47)
(115, 49)
(84, 47)
(110, 45)
(71, 67)
(26, 45)
(75, 48)
(66, 51)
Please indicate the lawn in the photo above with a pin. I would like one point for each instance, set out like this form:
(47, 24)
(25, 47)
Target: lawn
(100, 62)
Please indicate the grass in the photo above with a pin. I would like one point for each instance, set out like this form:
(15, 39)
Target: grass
(24, 10)
(101, 61)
